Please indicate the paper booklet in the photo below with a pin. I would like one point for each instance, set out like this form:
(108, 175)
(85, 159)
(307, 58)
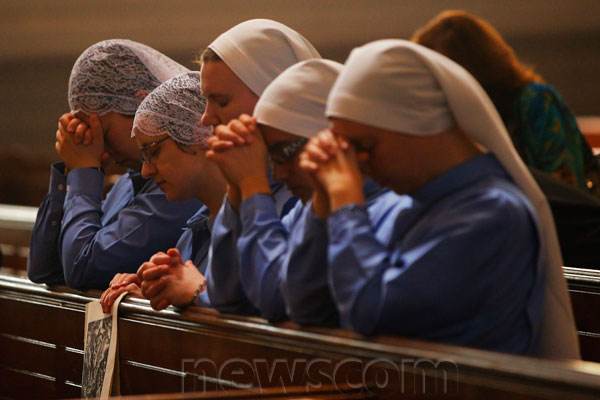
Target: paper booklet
(100, 358)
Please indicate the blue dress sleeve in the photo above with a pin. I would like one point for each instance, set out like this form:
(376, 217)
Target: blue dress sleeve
(203, 300)
(304, 283)
(43, 264)
(93, 248)
(423, 283)
(263, 246)
(305, 286)
(225, 290)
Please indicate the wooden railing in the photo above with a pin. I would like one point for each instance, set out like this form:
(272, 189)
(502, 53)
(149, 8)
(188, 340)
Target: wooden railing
(584, 289)
(16, 223)
(41, 337)
(59, 347)
(331, 392)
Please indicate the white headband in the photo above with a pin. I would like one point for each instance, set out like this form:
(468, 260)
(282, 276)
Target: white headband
(404, 87)
(174, 108)
(260, 49)
(115, 75)
(295, 101)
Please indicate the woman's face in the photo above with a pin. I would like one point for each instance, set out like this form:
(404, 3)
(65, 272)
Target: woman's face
(286, 169)
(391, 159)
(117, 138)
(227, 96)
(176, 172)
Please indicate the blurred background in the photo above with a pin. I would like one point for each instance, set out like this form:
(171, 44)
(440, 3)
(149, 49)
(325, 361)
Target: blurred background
(40, 41)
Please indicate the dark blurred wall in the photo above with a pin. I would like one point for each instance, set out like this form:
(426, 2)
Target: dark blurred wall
(41, 40)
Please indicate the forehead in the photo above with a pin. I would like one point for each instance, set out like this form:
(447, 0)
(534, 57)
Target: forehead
(218, 78)
(143, 139)
(273, 135)
(351, 129)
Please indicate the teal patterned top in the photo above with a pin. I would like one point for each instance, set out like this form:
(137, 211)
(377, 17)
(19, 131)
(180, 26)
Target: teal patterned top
(547, 136)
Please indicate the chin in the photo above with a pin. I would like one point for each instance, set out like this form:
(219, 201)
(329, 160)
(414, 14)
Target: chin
(386, 183)
(303, 194)
(177, 196)
(172, 196)
(304, 197)
(400, 188)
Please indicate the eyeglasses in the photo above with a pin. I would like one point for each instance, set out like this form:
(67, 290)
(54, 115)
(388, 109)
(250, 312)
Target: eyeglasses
(283, 152)
(146, 150)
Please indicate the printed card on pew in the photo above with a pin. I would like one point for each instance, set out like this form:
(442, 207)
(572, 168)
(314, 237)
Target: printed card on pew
(100, 376)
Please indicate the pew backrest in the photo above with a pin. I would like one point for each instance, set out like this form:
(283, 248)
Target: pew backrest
(584, 288)
(202, 350)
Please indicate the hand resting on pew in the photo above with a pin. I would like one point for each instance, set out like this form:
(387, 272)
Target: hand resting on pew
(164, 280)
(167, 280)
(120, 283)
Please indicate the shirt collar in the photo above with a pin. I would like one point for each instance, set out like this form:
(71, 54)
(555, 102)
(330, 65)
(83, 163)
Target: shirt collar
(200, 220)
(465, 174)
(371, 189)
(137, 180)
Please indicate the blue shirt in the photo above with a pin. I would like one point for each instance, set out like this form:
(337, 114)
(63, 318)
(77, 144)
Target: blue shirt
(224, 289)
(84, 241)
(459, 266)
(262, 247)
(304, 280)
(266, 252)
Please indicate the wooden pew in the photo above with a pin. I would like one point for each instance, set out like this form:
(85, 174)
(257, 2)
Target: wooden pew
(41, 337)
(342, 392)
(584, 288)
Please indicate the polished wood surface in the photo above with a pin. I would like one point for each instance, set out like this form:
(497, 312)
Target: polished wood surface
(199, 350)
(584, 289)
(326, 391)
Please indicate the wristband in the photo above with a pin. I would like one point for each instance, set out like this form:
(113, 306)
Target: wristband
(350, 208)
(200, 289)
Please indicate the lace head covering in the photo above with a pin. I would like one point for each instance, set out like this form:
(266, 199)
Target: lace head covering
(295, 101)
(115, 75)
(174, 108)
(402, 86)
(260, 49)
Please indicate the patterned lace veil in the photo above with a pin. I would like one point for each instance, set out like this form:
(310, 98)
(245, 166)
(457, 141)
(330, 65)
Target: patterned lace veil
(115, 75)
(174, 108)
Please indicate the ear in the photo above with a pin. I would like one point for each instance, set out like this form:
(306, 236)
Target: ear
(140, 95)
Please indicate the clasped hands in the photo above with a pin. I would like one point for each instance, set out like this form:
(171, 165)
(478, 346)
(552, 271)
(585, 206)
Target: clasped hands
(333, 165)
(240, 152)
(164, 280)
(80, 144)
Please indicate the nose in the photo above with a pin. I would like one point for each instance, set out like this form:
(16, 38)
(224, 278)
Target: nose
(108, 148)
(148, 170)
(280, 172)
(209, 118)
(363, 160)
